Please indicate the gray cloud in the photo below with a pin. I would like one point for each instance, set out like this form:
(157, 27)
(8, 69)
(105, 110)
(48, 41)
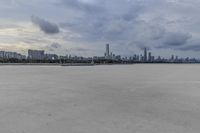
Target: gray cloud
(45, 26)
(125, 24)
(143, 46)
(55, 45)
(88, 7)
(195, 48)
(79, 49)
(100, 23)
(176, 38)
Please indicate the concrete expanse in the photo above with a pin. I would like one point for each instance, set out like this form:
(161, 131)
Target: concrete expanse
(100, 99)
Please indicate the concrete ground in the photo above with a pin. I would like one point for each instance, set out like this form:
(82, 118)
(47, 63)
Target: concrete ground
(154, 98)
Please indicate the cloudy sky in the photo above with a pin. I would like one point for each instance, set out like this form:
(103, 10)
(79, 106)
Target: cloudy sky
(83, 27)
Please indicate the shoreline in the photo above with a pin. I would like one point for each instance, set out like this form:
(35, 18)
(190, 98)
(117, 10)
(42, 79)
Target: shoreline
(76, 64)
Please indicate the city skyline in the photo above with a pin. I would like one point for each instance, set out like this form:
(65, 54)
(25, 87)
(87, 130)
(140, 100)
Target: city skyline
(38, 56)
(83, 27)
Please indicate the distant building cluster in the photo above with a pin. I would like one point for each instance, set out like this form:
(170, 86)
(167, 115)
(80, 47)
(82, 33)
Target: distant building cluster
(147, 57)
(111, 55)
(32, 55)
(11, 55)
(39, 56)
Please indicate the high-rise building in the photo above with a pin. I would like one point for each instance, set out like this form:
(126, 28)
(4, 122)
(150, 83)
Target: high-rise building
(172, 58)
(145, 54)
(137, 58)
(159, 58)
(111, 55)
(107, 54)
(11, 55)
(176, 58)
(36, 54)
(150, 57)
(141, 58)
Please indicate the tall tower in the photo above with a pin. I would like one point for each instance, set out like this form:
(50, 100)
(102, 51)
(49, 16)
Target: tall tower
(145, 54)
(150, 57)
(107, 50)
(172, 58)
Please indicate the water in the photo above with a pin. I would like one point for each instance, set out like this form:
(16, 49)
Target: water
(100, 99)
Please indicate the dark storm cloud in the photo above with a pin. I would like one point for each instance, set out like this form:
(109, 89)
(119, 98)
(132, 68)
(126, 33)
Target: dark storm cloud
(46, 26)
(176, 39)
(173, 40)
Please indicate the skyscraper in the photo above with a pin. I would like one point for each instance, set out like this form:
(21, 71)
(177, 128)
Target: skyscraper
(176, 58)
(145, 54)
(107, 51)
(172, 58)
(150, 57)
(36, 54)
